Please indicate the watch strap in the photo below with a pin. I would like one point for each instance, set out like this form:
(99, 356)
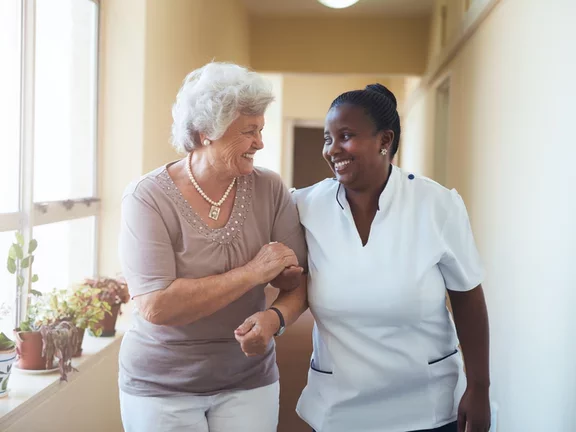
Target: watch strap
(282, 322)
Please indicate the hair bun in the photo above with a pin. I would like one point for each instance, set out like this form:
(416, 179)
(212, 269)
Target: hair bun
(379, 88)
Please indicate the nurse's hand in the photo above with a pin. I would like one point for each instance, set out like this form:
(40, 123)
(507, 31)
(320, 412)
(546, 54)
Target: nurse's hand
(474, 411)
(289, 279)
(255, 334)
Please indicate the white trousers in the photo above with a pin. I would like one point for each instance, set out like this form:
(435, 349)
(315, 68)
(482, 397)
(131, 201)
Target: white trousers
(235, 411)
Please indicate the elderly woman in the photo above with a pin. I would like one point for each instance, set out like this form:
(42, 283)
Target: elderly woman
(385, 246)
(200, 239)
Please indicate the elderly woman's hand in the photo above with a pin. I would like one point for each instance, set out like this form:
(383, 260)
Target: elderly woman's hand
(271, 260)
(255, 333)
(289, 279)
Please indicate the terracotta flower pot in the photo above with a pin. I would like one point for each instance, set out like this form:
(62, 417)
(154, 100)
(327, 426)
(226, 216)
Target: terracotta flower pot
(29, 349)
(7, 359)
(78, 352)
(108, 324)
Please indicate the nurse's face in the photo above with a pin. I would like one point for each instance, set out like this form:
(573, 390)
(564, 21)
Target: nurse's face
(352, 147)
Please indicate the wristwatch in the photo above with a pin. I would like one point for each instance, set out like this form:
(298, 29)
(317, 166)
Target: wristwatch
(282, 322)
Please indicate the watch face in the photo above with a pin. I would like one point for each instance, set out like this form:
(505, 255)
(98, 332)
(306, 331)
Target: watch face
(280, 331)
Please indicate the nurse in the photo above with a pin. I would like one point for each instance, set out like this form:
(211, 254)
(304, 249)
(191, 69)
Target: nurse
(384, 248)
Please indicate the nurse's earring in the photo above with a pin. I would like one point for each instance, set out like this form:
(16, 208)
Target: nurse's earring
(383, 152)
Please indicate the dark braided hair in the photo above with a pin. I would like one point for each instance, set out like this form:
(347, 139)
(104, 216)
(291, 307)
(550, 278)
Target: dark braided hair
(380, 105)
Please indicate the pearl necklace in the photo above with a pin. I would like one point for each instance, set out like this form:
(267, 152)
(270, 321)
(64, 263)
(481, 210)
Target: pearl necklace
(215, 209)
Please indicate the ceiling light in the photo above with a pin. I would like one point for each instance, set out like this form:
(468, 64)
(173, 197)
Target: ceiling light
(338, 4)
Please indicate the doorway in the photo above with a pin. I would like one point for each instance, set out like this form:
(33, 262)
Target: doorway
(309, 167)
(441, 132)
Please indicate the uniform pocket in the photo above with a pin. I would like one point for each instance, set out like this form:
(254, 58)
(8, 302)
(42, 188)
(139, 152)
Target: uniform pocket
(447, 384)
(443, 358)
(315, 402)
(321, 357)
(315, 369)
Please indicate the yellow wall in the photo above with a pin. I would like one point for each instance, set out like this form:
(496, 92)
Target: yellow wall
(147, 50)
(308, 96)
(121, 114)
(511, 155)
(181, 35)
(338, 45)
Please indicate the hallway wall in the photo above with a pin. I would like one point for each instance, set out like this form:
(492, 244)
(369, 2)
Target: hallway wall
(147, 49)
(299, 104)
(511, 154)
(339, 45)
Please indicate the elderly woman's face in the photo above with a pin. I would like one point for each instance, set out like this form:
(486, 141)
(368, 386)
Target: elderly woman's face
(352, 146)
(237, 147)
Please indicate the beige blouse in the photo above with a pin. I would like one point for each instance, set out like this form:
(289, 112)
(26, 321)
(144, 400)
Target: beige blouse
(163, 239)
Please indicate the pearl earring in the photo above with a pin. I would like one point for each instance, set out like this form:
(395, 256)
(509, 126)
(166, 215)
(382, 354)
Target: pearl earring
(206, 142)
(383, 152)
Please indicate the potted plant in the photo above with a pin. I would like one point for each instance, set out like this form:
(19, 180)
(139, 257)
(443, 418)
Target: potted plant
(59, 336)
(40, 336)
(115, 293)
(7, 359)
(60, 340)
(86, 310)
(29, 345)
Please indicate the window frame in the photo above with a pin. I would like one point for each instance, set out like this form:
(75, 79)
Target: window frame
(31, 214)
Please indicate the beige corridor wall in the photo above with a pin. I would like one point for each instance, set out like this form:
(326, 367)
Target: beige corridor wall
(511, 155)
(338, 45)
(121, 116)
(148, 48)
(308, 96)
(182, 35)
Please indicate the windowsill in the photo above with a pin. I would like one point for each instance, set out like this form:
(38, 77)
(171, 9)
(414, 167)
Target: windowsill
(28, 390)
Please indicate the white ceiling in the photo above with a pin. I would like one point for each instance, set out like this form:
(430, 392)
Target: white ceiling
(362, 8)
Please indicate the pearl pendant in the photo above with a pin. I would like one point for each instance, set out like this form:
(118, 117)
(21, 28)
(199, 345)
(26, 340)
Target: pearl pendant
(214, 212)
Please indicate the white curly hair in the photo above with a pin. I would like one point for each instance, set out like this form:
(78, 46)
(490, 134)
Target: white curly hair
(211, 98)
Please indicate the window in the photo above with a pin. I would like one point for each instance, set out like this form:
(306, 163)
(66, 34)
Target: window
(48, 82)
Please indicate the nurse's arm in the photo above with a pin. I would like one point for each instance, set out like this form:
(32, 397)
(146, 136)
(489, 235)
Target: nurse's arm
(292, 304)
(255, 333)
(471, 319)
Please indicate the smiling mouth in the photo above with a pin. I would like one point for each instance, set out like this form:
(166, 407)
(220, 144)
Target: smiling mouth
(341, 165)
(249, 156)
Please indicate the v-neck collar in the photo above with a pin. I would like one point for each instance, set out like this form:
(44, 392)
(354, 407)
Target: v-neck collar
(383, 201)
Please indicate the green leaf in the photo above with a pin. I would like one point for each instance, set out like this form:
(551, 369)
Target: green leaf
(35, 293)
(15, 252)
(32, 246)
(26, 262)
(11, 265)
(6, 343)
(20, 239)
(54, 303)
(35, 278)
(20, 280)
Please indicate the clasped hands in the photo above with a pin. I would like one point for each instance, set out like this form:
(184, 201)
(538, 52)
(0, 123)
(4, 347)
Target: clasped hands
(278, 265)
